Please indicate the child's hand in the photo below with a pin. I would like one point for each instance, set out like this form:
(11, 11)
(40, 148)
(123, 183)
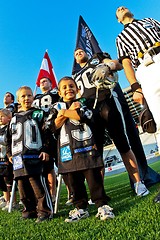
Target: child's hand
(61, 112)
(44, 156)
(75, 105)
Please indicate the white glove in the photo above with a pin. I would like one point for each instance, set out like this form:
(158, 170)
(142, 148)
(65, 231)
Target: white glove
(100, 72)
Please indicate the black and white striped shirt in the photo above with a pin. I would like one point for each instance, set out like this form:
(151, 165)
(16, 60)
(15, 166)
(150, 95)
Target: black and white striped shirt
(136, 37)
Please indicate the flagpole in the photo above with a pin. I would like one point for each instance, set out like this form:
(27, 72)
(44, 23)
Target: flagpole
(35, 90)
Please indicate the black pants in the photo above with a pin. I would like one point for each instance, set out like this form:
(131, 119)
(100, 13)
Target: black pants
(35, 195)
(147, 174)
(95, 185)
(108, 118)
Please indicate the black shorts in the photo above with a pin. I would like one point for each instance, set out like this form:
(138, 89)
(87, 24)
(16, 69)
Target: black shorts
(6, 183)
(3, 186)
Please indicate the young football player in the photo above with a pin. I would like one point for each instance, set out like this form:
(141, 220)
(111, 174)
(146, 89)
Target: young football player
(27, 149)
(44, 101)
(6, 168)
(78, 155)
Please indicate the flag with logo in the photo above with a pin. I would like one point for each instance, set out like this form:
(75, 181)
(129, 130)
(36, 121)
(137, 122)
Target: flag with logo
(86, 41)
(46, 71)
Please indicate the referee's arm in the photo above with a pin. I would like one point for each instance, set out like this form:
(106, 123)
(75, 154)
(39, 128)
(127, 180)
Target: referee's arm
(131, 77)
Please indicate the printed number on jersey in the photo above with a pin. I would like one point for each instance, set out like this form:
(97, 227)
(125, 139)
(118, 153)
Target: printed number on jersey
(77, 134)
(31, 137)
(85, 84)
(44, 102)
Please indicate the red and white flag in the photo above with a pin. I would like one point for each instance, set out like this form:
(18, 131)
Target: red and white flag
(47, 71)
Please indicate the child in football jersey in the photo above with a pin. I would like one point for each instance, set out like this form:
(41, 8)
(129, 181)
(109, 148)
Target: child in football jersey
(6, 168)
(44, 101)
(27, 149)
(78, 155)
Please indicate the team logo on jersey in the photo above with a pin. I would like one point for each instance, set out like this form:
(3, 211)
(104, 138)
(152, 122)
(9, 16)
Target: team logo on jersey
(17, 162)
(65, 153)
(37, 115)
(95, 61)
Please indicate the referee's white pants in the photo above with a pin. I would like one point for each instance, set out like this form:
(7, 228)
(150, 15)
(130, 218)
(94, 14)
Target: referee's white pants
(149, 78)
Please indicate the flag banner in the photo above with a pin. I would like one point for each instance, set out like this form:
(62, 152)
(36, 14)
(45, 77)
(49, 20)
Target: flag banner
(46, 70)
(85, 41)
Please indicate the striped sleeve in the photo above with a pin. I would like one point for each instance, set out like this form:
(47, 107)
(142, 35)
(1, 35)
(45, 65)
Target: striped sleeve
(121, 50)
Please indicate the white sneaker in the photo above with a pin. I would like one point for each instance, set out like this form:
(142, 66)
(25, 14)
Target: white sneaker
(20, 202)
(90, 202)
(15, 206)
(3, 204)
(5, 208)
(2, 199)
(105, 212)
(76, 215)
(69, 202)
(141, 189)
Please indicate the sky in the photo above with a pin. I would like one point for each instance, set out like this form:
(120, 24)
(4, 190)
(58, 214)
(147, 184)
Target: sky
(30, 27)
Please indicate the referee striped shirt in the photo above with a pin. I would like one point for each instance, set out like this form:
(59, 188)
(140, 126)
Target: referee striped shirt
(136, 37)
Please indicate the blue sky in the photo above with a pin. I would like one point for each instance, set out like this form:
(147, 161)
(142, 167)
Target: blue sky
(29, 27)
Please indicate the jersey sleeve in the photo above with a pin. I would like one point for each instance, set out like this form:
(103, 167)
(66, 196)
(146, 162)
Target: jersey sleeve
(9, 141)
(84, 112)
(122, 52)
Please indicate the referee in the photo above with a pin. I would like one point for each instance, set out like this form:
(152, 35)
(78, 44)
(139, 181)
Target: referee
(138, 48)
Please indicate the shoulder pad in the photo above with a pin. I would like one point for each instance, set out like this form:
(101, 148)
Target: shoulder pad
(94, 60)
(54, 91)
(38, 96)
(13, 120)
(59, 105)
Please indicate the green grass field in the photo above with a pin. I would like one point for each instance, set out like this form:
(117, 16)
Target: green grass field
(136, 218)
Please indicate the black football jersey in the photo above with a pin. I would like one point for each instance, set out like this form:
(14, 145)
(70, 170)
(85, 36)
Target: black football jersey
(6, 168)
(27, 139)
(83, 78)
(44, 101)
(76, 143)
(13, 107)
(3, 143)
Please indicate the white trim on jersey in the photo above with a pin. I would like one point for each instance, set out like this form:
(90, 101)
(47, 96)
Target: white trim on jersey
(47, 194)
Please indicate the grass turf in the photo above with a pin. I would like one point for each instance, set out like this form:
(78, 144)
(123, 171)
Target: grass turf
(136, 218)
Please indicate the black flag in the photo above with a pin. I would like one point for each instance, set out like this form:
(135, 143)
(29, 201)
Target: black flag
(85, 41)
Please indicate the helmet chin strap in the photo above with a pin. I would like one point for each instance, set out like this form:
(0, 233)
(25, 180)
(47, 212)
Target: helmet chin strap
(96, 99)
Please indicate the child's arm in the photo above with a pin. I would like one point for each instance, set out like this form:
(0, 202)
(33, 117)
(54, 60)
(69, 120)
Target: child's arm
(64, 114)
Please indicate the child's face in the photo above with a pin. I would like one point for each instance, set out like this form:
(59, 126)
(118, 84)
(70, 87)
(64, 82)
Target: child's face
(25, 98)
(67, 90)
(4, 119)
